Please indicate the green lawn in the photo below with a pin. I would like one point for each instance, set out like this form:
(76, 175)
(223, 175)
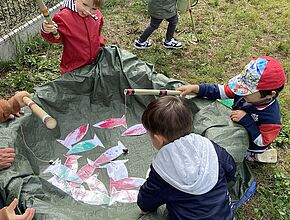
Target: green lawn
(230, 33)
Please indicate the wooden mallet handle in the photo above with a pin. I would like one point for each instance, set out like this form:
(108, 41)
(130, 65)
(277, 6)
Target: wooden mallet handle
(161, 92)
(46, 15)
(49, 122)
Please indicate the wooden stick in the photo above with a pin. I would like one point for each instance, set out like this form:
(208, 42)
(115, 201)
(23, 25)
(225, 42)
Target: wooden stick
(45, 13)
(161, 92)
(49, 122)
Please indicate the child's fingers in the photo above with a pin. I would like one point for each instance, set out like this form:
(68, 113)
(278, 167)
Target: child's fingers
(5, 165)
(187, 89)
(181, 88)
(47, 23)
(49, 27)
(28, 215)
(184, 90)
(21, 111)
(183, 93)
(235, 118)
(12, 205)
(11, 116)
(7, 150)
(7, 160)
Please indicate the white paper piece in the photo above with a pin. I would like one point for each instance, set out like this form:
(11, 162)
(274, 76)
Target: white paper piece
(127, 183)
(124, 196)
(135, 130)
(72, 162)
(95, 184)
(74, 136)
(117, 169)
(90, 197)
(110, 154)
(86, 145)
(63, 172)
(61, 184)
(87, 170)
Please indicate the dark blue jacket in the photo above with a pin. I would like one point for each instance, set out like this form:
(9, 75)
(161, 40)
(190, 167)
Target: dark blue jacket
(213, 205)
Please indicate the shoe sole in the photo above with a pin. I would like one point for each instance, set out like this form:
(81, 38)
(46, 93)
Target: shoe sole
(170, 47)
(269, 156)
(142, 48)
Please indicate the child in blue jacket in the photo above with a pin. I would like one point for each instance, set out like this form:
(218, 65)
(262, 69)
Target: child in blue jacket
(255, 106)
(189, 173)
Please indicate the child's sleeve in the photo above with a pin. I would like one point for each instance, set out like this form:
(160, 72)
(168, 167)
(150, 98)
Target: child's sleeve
(8, 107)
(60, 29)
(151, 194)
(262, 135)
(215, 91)
(227, 162)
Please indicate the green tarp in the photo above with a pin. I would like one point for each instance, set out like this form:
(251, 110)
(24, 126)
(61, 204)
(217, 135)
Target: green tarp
(89, 95)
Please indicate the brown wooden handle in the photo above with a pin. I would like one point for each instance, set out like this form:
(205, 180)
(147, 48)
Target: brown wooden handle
(49, 121)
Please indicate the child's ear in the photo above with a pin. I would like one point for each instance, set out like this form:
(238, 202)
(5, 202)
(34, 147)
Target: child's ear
(273, 94)
(160, 140)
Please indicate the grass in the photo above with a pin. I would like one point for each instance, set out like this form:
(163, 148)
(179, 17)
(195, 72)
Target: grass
(230, 33)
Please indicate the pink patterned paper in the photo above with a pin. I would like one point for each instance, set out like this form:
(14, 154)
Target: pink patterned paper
(72, 162)
(126, 183)
(74, 136)
(135, 130)
(112, 123)
(110, 154)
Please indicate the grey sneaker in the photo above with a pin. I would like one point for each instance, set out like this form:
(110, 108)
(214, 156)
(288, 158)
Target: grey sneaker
(144, 45)
(172, 44)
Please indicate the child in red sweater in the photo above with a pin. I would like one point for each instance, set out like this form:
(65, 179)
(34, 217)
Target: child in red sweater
(79, 25)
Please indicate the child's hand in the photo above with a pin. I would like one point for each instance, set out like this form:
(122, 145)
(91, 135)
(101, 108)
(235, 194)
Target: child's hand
(7, 157)
(28, 215)
(237, 115)
(185, 90)
(19, 97)
(12, 116)
(49, 28)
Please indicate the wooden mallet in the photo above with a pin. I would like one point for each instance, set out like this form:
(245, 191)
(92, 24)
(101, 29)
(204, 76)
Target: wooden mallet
(49, 121)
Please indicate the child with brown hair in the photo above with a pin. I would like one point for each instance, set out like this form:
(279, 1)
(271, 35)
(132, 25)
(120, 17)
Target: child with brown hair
(189, 173)
(79, 24)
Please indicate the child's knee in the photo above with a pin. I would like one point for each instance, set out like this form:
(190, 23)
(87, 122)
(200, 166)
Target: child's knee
(173, 20)
(154, 25)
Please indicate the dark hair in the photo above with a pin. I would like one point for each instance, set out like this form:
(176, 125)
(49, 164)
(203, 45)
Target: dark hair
(168, 116)
(264, 93)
